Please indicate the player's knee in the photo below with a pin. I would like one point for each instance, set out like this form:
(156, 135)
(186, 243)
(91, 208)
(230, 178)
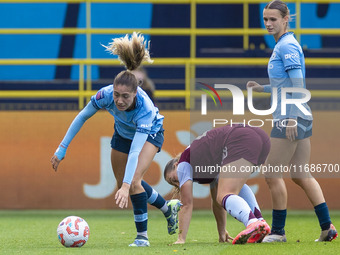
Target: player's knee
(220, 197)
(272, 182)
(300, 181)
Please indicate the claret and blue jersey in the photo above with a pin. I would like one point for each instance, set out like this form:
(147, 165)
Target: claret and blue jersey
(144, 118)
(287, 55)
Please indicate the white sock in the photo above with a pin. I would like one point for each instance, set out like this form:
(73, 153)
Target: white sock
(247, 194)
(164, 208)
(239, 209)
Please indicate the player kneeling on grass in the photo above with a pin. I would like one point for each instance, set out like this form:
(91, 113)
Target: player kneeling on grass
(226, 148)
(138, 136)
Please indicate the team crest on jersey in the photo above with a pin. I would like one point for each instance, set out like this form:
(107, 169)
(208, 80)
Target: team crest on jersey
(100, 95)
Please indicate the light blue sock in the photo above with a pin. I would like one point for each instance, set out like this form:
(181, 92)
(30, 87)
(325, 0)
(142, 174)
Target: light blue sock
(155, 199)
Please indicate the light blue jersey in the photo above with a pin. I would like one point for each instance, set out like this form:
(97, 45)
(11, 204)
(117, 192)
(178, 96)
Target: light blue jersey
(135, 125)
(286, 68)
(144, 118)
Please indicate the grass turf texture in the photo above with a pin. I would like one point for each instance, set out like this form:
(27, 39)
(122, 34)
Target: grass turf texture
(34, 232)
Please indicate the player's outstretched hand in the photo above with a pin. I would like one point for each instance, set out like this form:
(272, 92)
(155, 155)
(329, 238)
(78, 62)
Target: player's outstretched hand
(122, 196)
(226, 238)
(255, 86)
(55, 162)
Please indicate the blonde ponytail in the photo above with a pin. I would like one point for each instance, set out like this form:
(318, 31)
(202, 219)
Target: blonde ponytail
(131, 51)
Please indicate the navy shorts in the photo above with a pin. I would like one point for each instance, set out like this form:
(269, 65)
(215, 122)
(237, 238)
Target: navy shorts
(304, 129)
(122, 144)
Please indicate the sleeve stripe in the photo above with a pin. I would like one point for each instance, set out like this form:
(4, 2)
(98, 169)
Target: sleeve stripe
(142, 130)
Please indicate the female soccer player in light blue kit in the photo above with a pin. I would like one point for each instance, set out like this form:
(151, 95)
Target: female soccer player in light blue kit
(290, 136)
(137, 138)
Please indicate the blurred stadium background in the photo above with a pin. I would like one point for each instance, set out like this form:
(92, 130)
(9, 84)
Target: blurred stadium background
(52, 61)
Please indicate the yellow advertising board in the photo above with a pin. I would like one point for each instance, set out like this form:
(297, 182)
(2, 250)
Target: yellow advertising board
(85, 180)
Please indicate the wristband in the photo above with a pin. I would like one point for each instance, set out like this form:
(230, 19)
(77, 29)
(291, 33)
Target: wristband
(60, 152)
(267, 89)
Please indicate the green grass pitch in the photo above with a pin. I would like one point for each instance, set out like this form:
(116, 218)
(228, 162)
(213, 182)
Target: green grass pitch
(34, 232)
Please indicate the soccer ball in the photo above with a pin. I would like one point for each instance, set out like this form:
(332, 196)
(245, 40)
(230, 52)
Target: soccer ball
(73, 231)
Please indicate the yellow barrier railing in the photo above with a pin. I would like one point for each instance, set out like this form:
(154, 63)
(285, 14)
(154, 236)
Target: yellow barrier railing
(81, 94)
(189, 63)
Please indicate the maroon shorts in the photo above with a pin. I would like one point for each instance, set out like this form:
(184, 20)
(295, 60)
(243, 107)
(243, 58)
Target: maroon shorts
(250, 143)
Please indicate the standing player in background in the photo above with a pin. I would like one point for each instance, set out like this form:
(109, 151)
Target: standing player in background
(238, 148)
(146, 83)
(289, 145)
(138, 136)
